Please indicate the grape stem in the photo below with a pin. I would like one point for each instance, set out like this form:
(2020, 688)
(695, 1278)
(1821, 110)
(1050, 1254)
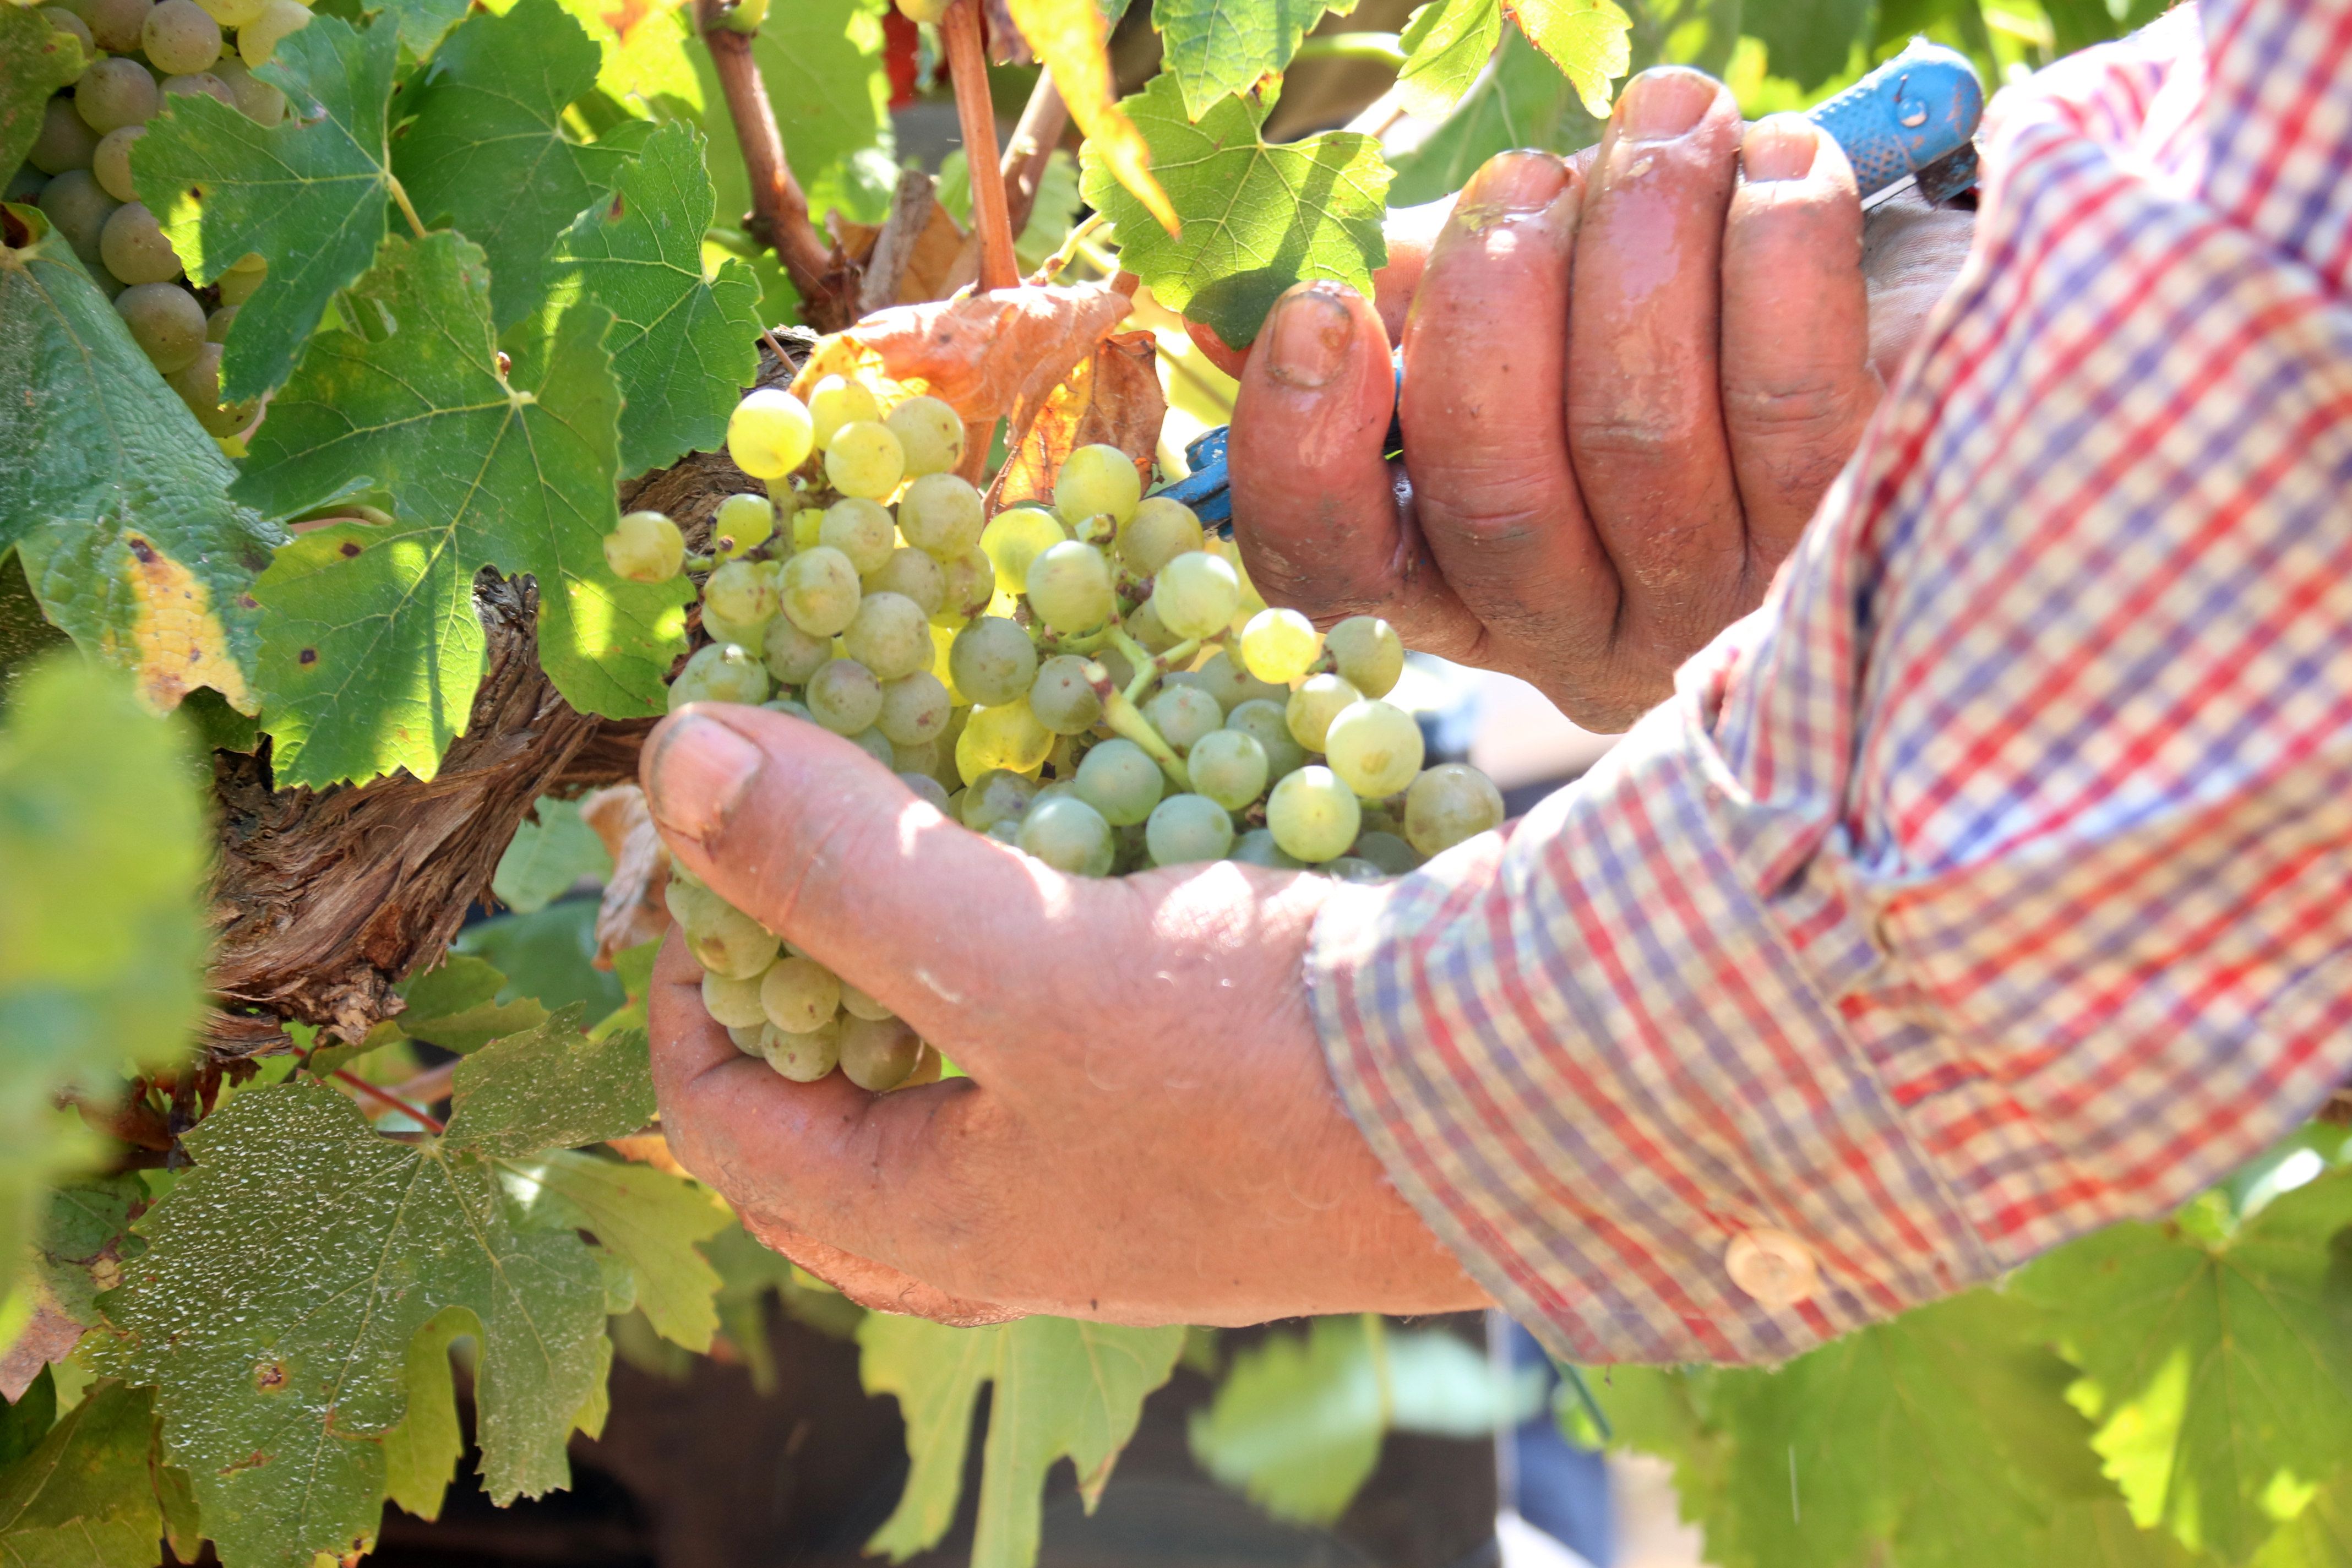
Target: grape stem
(408, 211)
(1149, 666)
(390, 1100)
(1069, 250)
(1126, 719)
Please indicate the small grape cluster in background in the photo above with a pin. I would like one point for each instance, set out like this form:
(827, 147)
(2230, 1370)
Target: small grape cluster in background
(1089, 683)
(78, 171)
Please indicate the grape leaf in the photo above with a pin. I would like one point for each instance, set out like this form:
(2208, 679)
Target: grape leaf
(822, 62)
(547, 857)
(487, 152)
(644, 54)
(288, 1271)
(372, 650)
(1447, 44)
(1298, 1422)
(1062, 1388)
(82, 1499)
(1257, 217)
(454, 1006)
(684, 347)
(26, 1419)
(1589, 40)
(2219, 1369)
(41, 59)
(421, 1454)
(548, 957)
(1216, 48)
(1523, 102)
(423, 22)
(2318, 1537)
(309, 194)
(102, 933)
(1072, 38)
(112, 496)
(1807, 40)
(651, 1221)
(84, 1237)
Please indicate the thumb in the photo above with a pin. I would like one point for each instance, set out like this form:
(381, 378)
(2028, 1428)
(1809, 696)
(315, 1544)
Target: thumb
(803, 831)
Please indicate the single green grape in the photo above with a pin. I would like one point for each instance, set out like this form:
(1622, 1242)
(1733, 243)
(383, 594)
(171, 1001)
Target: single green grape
(878, 1054)
(76, 205)
(929, 431)
(646, 548)
(114, 93)
(179, 37)
(1119, 779)
(1007, 735)
(1188, 827)
(133, 247)
(1094, 481)
(199, 82)
(942, 515)
(1268, 725)
(970, 583)
(1161, 531)
(1196, 594)
(747, 1040)
(1016, 537)
(750, 636)
(1228, 766)
(1257, 847)
(239, 283)
(1069, 587)
(925, 788)
(1062, 696)
(861, 530)
(858, 1004)
(1144, 625)
(741, 523)
(1222, 676)
(914, 710)
(232, 13)
(863, 459)
(218, 324)
(109, 162)
(258, 40)
(844, 697)
(198, 385)
(742, 591)
(1368, 654)
(256, 100)
(877, 745)
(922, 757)
(803, 1058)
(1279, 646)
(791, 655)
(719, 672)
(835, 401)
(727, 942)
(1069, 835)
(770, 433)
(790, 705)
(1448, 803)
(732, 1002)
(799, 996)
(1375, 747)
(165, 321)
(1313, 814)
(993, 661)
(996, 796)
(1313, 705)
(820, 591)
(912, 574)
(1184, 714)
(116, 25)
(889, 636)
(64, 143)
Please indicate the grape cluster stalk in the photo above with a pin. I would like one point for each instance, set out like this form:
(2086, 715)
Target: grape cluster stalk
(141, 52)
(1092, 681)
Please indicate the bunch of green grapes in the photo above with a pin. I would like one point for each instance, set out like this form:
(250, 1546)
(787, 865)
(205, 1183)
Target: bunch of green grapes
(138, 53)
(1087, 677)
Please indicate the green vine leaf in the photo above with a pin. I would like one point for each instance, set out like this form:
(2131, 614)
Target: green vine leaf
(1258, 217)
(1216, 48)
(292, 1267)
(1589, 40)
(421, 1454)
(546, 858)
(113, 498)
(373, 651)
(1523, 102)
(1447, 44)
(1299, 1422)
(2218, 1368)
(103, 931)
(41, 59)
(1062, 1388)
(308, 194)
(653, 1221)
(83, 1499)
(1810, 41)
(487, 152)
(683, 346)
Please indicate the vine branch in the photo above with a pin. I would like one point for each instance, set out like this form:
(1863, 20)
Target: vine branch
(780, 210)
(991, 217)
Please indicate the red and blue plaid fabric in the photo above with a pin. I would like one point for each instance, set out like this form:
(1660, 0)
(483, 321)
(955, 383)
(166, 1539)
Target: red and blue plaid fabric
(1993, 881)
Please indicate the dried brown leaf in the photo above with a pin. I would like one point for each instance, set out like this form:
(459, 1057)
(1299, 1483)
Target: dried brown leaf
(631, 912)
(1113, 399)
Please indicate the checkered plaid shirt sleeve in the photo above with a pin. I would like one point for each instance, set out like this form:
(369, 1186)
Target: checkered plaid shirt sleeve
(1993, 881)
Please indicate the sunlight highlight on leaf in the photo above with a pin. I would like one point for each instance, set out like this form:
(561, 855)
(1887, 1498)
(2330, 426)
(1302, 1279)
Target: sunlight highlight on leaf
(1073, 39)
(1589, 40)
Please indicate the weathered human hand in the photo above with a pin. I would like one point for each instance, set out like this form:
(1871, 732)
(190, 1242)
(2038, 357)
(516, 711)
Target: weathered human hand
(1629, 378)
(1149, 1134)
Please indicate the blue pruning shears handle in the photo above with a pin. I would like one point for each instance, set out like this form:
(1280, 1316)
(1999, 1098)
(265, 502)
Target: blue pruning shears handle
(1913, 119)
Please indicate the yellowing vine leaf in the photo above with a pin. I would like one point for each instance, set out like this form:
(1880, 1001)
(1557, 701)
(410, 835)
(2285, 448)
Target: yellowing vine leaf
(1074, 40)
(82, 1499)
(1589, 40)
(1113, 399)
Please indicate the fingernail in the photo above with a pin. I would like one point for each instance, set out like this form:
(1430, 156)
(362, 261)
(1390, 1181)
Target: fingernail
(1515, 182)
(1662, 103)
(1779, 147)
(1308, 341)
(700, 770)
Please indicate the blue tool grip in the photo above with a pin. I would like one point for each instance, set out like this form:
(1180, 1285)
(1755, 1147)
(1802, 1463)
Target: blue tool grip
(1913, 116)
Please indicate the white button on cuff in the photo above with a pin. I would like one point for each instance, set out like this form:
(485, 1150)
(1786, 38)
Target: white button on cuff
(1772, 1267)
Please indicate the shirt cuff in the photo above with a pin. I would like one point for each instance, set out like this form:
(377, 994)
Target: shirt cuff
(1587, 1054)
